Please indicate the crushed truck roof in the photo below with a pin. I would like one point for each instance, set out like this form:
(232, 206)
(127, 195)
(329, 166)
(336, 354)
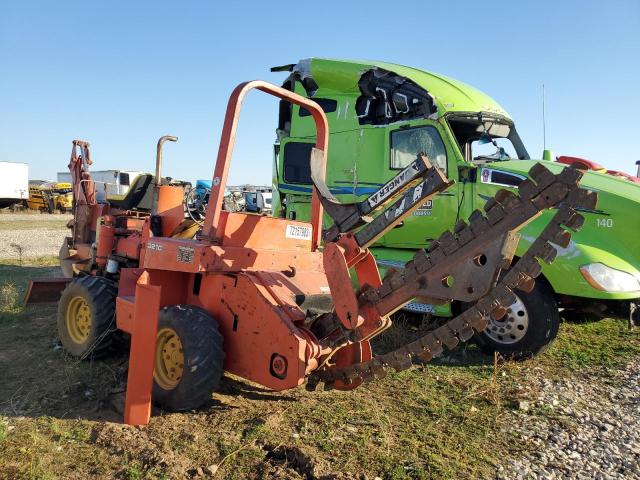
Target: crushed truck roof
(346, 76)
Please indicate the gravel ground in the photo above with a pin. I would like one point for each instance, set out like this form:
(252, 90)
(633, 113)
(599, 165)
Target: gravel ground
(38, 235)
(580, 428)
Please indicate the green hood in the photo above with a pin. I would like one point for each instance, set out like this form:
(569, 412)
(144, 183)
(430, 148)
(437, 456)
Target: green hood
(614, 224)
(596, 181)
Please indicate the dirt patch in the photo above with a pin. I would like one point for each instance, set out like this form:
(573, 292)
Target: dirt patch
(151, 452)
(289, 462)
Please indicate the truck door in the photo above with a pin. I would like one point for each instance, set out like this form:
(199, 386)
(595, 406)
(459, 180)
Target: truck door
(437, 215)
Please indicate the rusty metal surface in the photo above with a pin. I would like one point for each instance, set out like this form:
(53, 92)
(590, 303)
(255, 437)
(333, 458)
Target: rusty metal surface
(506, 212)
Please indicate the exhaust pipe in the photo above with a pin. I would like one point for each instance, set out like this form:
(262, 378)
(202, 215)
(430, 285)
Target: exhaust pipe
(158, 178)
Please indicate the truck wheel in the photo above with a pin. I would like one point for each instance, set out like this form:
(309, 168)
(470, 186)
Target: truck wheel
(86, 316)
(189, 360)
(528, 328)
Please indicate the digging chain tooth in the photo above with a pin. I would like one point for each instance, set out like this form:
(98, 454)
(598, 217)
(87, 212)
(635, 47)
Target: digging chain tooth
(496, 213)
(465, 235)
(369, 295)
(504, 295)
(377, 368)
(492, 202)
(589, 199)
(527, 284)
(466, 332)
(548, 253)
(478, 223)
(448, 243)
(527, 189)
(400, 359)
(475, 318)
(431, 343)
(446, 337)
(457, 324)
(504, 299)
(351, 373)
(434, 245)
(451, 331)
(459, 226)
(507, 199)
(574, 222)
(385, 288)
(550, 196)
(397, 281)
(570, 175)
(498, 312)
(562, 238)
(436, 256)
(368, 375)
(425, 355)
(527, 265)
(486, 304)
(421, 262)
(542, 176)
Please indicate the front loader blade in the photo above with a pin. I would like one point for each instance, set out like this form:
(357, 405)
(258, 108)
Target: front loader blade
(45, 290)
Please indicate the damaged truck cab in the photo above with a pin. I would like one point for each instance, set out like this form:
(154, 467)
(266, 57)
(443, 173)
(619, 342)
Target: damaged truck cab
(381, 115)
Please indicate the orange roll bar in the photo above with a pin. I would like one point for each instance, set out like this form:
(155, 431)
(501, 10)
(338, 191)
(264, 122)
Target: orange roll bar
(211, 225)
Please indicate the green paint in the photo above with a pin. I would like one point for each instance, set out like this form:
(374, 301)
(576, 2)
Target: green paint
(360, 160)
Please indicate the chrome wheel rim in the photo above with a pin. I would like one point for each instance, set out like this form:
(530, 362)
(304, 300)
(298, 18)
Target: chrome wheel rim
(512, 327)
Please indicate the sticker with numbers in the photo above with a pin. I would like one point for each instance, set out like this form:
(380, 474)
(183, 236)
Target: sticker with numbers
(605, 222)
(155, 246)
(299, 232)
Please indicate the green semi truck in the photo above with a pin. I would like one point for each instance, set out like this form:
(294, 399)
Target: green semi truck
(382, 115)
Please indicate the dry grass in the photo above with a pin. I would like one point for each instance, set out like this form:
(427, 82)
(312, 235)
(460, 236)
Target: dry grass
(59, 418)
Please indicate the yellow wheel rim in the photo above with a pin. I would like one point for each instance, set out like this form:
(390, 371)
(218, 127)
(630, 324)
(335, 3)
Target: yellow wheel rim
(169, 363)
(79, 319)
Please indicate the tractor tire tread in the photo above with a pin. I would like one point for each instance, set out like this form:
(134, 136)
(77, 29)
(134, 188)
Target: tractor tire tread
(102, 293)
(203, 358)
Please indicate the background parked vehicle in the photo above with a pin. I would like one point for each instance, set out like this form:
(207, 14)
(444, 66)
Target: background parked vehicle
(382, 114)
(258, 202)
(109, 183)
(50, 196)
(14, 183)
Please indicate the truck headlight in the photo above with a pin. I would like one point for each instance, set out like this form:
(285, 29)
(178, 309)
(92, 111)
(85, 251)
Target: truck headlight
(609, 279)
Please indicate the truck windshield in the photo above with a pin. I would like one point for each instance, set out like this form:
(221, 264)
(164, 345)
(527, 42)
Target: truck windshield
(485, 139)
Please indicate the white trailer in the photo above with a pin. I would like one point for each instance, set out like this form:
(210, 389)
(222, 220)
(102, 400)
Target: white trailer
(109, 183)
(14, 183)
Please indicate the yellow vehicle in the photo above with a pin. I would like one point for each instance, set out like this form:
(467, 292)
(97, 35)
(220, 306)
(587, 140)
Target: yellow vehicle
(50, 196)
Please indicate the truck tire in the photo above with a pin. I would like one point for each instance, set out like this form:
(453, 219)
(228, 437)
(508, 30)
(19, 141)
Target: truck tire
(189, 359)
(528, 328)
(86, 317)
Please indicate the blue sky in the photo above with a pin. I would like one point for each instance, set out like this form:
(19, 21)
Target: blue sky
(120, 74)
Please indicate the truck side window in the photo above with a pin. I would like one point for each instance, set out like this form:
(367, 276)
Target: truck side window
(124, 179)
(297, 167)
(327, 104)
(502, 178)
(407, 143)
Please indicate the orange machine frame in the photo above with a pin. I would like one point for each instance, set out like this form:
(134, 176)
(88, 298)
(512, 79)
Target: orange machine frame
(258, 250)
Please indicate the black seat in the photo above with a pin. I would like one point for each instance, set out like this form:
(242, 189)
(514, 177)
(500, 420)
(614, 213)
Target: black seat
(138, 197)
